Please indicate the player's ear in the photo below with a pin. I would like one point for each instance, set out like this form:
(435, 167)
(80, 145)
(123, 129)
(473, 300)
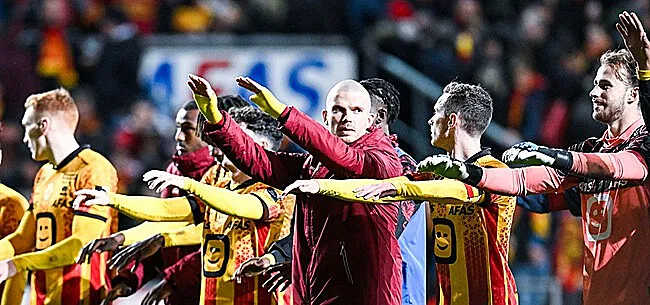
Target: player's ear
(324, 114)
(381, 116)
(453, 120)
(44, 124)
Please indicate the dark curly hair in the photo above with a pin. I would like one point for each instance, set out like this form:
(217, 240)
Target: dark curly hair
(258, 122)
(383, 94)
(471, 103)
(224, 103)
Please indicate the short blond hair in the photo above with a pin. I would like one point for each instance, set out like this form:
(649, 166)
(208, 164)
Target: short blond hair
(53, 101)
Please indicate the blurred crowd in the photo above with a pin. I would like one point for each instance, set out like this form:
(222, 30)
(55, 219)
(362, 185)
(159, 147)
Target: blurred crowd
(536, 58)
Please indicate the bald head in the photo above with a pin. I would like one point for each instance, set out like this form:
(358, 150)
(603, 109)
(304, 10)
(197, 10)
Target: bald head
(349, 87)
(348, 113)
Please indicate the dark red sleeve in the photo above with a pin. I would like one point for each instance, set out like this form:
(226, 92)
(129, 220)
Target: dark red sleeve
(186, 273)
(274, 168)
(145, 271)
(374, 160)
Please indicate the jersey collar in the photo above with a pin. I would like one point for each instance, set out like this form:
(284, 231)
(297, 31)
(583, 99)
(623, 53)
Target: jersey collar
(71, 156)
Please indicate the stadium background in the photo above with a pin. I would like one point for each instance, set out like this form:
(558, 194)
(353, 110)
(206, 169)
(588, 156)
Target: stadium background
(126, 61)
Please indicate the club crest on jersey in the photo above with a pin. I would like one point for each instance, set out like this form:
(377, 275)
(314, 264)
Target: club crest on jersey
(445, 241)
(216, 253)
(598, 217)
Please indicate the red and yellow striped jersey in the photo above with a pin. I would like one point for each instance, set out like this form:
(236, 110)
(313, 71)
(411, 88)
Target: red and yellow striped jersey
(228, 241)
(471, 248)
(52, 198)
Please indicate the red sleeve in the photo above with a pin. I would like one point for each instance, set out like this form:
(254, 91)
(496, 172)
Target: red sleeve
(624, 165)
(274, 168)
(186, 273)
(145, 271)
(522, 181)
(335, 154)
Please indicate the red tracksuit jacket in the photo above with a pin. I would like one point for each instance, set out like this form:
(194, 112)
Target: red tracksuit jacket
(344, 253)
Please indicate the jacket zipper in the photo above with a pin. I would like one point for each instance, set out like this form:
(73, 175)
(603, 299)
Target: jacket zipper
(346, 264)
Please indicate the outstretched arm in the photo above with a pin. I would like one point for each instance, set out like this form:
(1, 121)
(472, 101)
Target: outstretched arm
(391, 190)
(624, 165)
(184, 209)
(503, 181)
(225, 201)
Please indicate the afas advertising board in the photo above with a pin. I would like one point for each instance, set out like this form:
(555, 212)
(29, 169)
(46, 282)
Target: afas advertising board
(297, 75)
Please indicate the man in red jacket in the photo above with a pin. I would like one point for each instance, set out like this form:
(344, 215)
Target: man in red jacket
(344, 253)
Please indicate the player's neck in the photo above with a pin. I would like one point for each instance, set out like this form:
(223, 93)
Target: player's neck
(465, 148)
(61, 146)
(619, 126)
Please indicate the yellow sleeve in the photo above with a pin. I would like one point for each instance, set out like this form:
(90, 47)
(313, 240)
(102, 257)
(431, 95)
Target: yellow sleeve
(148, 228)
(186, 236)
(14, 289)
(22, 240)
(152, 208)
(439, 191)
(344, 189)
(226, 201)
(85, 227)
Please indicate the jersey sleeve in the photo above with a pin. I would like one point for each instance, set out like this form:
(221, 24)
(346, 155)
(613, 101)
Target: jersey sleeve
(251, 206)
(186, 236)
(625, 165)
(149, 228)
(156, 209)
(442, 191)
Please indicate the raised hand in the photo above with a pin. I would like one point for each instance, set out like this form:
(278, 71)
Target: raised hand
(158, 293)
(528, 153)
(205, 98)
(376, 191)
(263, 98)
(88, 197)
(444, 166)
(119, 291)
(635, 37)
(100, 245)
(301, 187)
(252, 267)
(160, 180)
(7, 270)
(136, 252)
(280, 277)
